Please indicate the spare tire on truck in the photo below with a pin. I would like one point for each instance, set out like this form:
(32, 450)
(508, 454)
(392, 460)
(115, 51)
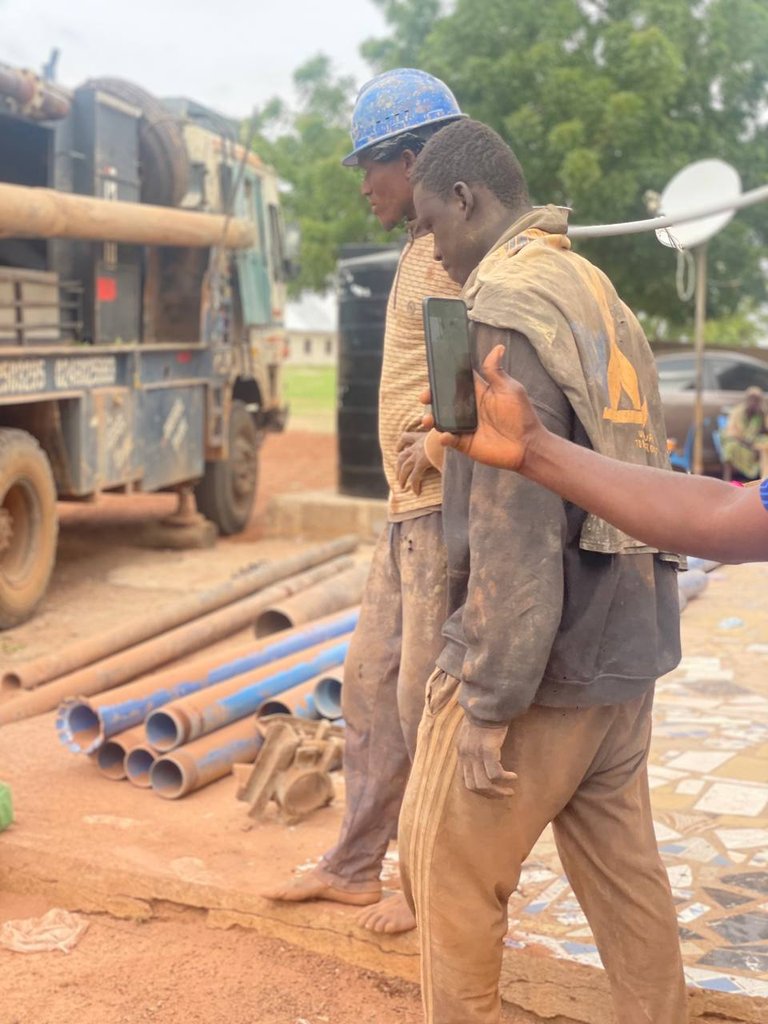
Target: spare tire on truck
(29, 525)
(227, 491)
(162, 150)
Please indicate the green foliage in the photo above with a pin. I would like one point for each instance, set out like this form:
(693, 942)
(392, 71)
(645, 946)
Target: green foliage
(306, 146)
(603, 100)
(411, 21)
(606, 100)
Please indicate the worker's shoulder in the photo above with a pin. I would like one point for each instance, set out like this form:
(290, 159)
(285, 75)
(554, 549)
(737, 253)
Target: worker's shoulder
(420, 271)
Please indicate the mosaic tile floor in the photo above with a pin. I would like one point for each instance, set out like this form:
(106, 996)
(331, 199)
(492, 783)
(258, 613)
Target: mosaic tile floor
(709, 782)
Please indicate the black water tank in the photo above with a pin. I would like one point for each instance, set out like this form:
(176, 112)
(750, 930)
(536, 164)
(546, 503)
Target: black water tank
(364, 285)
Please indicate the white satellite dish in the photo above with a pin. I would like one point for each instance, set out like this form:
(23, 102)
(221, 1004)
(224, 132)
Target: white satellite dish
(698, 184)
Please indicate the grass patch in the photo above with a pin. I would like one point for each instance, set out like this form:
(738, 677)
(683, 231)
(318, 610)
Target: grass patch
(310, 391)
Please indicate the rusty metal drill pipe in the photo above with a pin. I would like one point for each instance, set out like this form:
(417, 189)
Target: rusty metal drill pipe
(139, 763)
(299, 700)
(160, 650)
(27, 212)
(327, 695)
(51, 666)
(342, 592)
(111, 757)
(92, 721)
(83, 725)
(204, 760)
(201, 713)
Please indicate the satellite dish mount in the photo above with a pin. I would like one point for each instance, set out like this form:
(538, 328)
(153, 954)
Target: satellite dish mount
(694, 187)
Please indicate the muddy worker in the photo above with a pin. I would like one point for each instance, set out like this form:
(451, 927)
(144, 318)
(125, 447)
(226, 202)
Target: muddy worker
(693, 514)
(398, 638)
(540, 708)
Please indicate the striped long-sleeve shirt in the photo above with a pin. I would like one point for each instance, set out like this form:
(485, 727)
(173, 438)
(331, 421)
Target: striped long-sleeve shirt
(404, 370)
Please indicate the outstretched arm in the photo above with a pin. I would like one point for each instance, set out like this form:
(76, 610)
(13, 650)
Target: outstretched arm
(670, 511)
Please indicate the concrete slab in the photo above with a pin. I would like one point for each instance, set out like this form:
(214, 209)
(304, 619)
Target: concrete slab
(322, 515)
(90, 844)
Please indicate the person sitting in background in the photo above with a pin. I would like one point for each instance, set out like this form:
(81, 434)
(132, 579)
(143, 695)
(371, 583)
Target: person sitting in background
(745, 438)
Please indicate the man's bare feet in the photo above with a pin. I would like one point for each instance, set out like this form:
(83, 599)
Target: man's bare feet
(389, 917)
(322, 885)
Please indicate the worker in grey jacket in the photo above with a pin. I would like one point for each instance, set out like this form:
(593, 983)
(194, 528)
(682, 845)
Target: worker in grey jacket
(540, 708)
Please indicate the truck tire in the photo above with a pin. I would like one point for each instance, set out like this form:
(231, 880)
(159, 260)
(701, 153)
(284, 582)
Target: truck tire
(29, 525)
(162, 150)
(228, 490)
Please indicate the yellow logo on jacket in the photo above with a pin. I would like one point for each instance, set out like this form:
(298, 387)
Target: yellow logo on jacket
(622, 380)
(622, 376)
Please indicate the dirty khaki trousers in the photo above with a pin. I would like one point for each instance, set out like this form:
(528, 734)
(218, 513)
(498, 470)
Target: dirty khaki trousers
(391, 655)
(582, 769)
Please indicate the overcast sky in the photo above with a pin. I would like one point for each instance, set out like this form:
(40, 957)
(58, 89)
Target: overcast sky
(228, 54)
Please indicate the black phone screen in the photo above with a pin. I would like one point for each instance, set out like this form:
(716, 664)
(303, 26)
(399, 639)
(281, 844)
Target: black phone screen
(446, 327)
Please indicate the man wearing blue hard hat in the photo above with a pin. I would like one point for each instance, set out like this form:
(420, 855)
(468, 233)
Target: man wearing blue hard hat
(398, 639)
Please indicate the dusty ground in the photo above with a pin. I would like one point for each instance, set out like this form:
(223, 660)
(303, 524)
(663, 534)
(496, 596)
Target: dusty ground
(177, 970)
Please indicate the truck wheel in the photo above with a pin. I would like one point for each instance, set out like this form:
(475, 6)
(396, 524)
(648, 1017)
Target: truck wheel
(227, 491)
(162, 150)
(29, 525)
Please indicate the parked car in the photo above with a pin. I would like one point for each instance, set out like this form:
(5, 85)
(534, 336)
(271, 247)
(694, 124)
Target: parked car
(727, 375)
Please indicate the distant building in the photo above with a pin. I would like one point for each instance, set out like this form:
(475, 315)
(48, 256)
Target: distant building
(311, 322)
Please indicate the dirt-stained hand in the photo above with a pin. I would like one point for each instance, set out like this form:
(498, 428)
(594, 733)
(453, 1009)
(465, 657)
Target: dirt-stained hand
(507, 422)
(412, 462)
(479, 750)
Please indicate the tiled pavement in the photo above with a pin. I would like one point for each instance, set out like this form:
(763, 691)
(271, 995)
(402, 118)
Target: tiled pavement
(709, 781)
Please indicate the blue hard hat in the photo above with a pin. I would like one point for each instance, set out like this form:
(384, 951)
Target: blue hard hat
(395, 102)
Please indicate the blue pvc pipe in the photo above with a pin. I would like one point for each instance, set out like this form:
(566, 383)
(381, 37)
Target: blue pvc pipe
(328, 697)
(97, 724)
(248, 700)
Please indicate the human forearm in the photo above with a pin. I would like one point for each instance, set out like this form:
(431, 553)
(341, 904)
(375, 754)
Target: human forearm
(669, 511)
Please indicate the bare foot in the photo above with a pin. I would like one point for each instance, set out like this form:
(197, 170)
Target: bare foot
(389, 917)
(322, 885)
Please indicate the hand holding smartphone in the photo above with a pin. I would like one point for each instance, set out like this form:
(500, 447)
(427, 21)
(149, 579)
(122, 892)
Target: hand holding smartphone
(449, 365)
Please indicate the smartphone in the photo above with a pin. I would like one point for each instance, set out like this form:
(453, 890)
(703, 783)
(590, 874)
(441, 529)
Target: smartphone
(449, 364)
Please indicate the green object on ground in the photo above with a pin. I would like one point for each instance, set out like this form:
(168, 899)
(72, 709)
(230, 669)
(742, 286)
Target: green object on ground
(6, 806)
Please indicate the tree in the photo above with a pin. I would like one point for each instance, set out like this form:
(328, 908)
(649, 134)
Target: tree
(306, 146)
(411, 21)
(604, 100)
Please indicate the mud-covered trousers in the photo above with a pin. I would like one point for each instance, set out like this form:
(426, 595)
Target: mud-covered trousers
(584, 770)
(391, 656)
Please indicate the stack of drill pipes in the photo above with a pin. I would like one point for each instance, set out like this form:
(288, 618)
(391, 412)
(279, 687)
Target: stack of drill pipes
(84, 724)
(206, 759)
(299, 701)
(139, 764)
(328, 695)
(183, 720)
(345, 590)
(95, 648)
(112, 756)
(177, 643)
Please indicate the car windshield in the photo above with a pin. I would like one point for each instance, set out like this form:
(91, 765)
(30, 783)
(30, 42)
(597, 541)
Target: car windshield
(677, 375)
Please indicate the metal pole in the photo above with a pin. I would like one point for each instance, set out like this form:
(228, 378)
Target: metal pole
(699, 322)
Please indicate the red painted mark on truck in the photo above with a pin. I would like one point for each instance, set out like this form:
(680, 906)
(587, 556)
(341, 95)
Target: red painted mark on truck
(106, 289)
